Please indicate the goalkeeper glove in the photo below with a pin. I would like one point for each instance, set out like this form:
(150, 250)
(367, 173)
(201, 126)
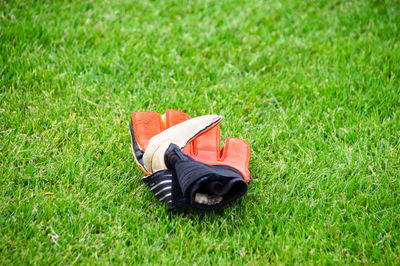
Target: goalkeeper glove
(184, 162)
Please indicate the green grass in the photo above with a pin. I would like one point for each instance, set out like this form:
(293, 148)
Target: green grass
(313, 86)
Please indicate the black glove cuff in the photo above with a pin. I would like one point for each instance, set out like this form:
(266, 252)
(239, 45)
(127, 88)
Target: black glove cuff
(188, 182)
(209, 187)
(206, 187)
(165, 187)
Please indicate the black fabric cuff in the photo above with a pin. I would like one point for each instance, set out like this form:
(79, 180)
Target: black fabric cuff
(188, 182)
(219, 184)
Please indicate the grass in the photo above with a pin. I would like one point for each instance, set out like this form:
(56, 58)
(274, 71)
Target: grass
(313, 86)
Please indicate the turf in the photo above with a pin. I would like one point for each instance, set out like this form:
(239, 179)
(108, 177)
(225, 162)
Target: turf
(313, 86)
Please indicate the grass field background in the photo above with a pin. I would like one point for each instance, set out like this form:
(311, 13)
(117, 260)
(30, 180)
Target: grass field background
(313, 86)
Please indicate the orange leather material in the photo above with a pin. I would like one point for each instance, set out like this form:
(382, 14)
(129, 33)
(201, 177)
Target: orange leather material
(237, 154)
(207, 145)
(205, 148)
(174, 117)
(146, 125)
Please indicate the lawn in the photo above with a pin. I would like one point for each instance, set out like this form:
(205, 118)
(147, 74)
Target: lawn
(313, 86)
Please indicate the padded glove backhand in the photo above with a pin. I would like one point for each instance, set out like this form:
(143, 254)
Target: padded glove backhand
(207, 179)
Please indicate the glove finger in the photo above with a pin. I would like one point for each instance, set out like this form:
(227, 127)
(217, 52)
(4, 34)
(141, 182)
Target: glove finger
(146, 125)
(236, 153)
(143, 127)
(206, 146)
(174, 117)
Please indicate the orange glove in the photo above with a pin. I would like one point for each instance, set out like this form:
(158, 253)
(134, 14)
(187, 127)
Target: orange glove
(204, 149)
